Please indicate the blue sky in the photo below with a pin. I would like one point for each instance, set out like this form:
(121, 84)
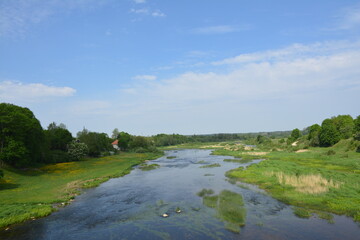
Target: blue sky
(188, 67)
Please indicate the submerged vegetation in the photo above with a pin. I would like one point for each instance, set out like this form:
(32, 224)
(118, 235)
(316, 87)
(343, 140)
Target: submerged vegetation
(211, 165)
(148, 167)
(229, 207)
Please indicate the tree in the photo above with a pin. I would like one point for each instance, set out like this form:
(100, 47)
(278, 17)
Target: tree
(344, 125)
(124, 140)
(295, 134)
(21, 136)
(58, 137)
(357, 129)
(329, 134)
(77, 150)
(313, 137)
(96, 142)
(1, 174)
(115, 133)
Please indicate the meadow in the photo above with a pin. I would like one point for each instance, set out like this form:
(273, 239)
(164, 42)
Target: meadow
(36, 192)
(314, 179)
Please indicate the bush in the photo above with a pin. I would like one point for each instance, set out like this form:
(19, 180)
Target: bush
(77, 150)
(330, 152)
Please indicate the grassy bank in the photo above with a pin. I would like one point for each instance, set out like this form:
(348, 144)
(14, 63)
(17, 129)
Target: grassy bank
(34, 193)
(325, 179)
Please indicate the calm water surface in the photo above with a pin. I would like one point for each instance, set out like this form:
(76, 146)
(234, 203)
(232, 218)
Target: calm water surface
(131, 207)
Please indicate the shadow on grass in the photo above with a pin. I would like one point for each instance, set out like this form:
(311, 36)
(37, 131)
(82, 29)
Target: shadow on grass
(4, 185)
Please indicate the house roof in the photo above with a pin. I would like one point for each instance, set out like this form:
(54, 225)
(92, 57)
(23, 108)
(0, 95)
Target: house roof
(115, 142)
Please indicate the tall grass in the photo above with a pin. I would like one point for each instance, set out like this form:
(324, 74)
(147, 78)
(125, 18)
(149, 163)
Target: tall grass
(312, 179)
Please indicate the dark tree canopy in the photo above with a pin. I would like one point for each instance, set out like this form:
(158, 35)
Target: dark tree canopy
(21, 136)
(329, 134)
(58, 137)
(314, 133)
(96, 142)
(124, 139)
(295, 134)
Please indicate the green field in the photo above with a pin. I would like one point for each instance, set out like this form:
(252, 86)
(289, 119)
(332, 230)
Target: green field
(36, 192)
(325, 179)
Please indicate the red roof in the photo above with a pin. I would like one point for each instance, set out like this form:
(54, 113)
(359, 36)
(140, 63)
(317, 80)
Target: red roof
(115, 142)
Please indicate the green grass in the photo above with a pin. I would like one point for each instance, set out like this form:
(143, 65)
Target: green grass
(211, 165)
(342, 168)
(32, 193)
(236, 160)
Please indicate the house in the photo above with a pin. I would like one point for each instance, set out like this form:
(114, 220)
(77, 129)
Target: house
(115, 144)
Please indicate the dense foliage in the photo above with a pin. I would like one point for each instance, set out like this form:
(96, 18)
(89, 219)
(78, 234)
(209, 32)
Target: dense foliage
(97, 143)
(77, 150)
(21, 136)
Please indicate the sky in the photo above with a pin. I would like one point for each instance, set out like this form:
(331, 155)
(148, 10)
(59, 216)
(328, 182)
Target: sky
(188, 67)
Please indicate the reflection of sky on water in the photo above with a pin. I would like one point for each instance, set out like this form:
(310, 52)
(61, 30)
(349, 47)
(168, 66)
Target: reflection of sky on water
(130, 208)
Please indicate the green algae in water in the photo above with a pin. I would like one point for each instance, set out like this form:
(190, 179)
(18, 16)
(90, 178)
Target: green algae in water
(171, 157)
(302, 212)
(208, 174)
(205, 192)
(145, 167)
(211, 165)
(229, 208)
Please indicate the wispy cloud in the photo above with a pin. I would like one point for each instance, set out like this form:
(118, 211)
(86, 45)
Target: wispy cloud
(17, 16)
(17, 91)
(324, 71)
(350, 18)
(145, 77)
(292, 52)
(148, 12)
(218, 29)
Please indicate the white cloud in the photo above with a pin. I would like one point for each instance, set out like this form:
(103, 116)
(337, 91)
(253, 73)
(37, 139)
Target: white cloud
(149, 12)
(350, 18)
(17, 16)
(140, 11)
(145, 77)
(158, 13)
(219, 29)
(292, 52)
(17, 91)
(323, 71)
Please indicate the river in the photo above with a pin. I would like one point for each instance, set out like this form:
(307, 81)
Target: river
(131, 207)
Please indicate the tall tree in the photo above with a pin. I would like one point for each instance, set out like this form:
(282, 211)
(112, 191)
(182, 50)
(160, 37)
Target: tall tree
(115, 133)
(124, 140)
(295, 134)
(21, 136)
(345, 125)
(96, 142)
(314, 133)
(58, 136)
(329, 134)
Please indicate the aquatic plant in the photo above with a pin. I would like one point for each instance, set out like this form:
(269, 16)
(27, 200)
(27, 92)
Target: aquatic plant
(205, 192)
(211, 165)
(146, 167)
(229, 208)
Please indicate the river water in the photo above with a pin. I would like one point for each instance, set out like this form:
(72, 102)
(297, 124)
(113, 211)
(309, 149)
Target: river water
(131, 207)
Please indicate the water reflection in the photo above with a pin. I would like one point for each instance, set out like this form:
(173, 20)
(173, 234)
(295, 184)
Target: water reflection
(131, 207)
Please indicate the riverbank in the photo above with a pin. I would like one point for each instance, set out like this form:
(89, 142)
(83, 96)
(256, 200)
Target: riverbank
(37, 192)
(325, 179)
